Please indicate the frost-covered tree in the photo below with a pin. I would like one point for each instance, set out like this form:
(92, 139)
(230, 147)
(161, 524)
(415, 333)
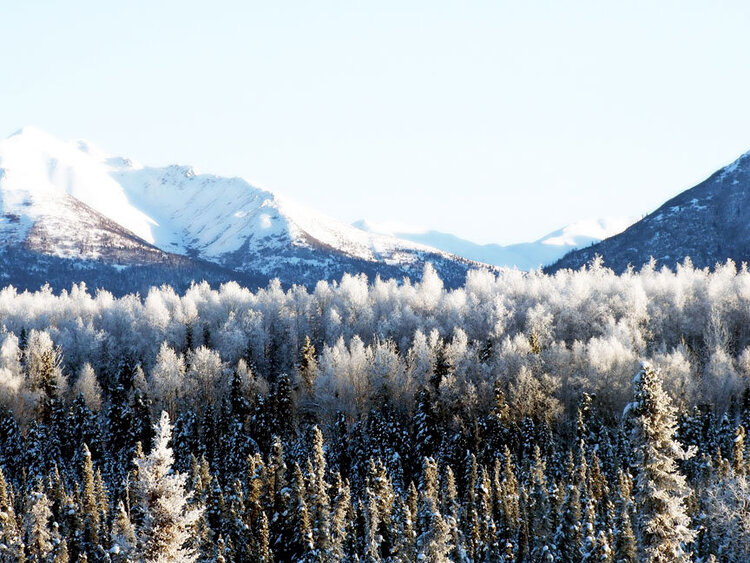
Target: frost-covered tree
(11, 540)
(163, 502)
(40, 536)
(122, 537)
(661, 490)
(434, 539)
(88, 387)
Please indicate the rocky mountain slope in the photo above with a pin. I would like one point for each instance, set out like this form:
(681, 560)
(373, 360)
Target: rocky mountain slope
(710, 223)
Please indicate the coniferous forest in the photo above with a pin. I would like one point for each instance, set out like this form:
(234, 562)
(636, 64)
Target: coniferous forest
(525, 417)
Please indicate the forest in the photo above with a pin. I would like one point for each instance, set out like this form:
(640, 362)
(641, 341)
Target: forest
(522, 417)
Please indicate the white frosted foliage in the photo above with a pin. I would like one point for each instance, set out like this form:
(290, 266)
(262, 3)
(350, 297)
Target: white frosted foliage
(162, 498)
(663, 523)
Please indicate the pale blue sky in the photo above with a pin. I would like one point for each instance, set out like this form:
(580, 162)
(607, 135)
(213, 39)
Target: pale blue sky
(497, 121)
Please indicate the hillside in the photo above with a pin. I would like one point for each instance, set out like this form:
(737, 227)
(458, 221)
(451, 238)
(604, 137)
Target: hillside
(709, 223)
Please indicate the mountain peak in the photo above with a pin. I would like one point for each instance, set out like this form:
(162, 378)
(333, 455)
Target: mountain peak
(52, 192)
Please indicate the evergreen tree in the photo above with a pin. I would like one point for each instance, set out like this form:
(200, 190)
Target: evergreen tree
(625, 544)
(11, 542)
(160, 493)
(539, 508)
(433, 541)
(263, 549)
(318, 499)
(509, 511)
(89, 506)
(301, 545)
(122, 537)
(663, 523)
(40, 536)
(308, 365)
(340, 526)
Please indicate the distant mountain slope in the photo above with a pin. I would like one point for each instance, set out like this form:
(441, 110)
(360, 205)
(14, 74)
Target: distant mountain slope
(73, 201)
(709, 223)
(524, 256)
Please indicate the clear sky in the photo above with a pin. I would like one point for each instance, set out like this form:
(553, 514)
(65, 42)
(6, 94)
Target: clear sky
(497, 121)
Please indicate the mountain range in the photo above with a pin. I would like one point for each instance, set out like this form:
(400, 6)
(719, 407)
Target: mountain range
(73, 212)
(524, 256)
(70, 212)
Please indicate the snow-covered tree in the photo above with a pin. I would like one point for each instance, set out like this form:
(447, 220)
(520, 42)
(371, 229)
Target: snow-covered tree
(661, 490)
(40, 536)
(434, 539)
(163, 501)
(122, 537)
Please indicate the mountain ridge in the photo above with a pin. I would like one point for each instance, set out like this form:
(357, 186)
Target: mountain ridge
(72, 200)
(525, 255)
(710, 223)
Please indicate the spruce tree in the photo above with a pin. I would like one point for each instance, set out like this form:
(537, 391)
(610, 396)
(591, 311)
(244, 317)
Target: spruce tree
(625, 548)
(160, 493)
(661, 491)
(11, 541)
(433, 541)
(340, 525)
(318, 498)
(300, 536)
(122, 537)
(308, 365)
(89, 505)
(40, 536)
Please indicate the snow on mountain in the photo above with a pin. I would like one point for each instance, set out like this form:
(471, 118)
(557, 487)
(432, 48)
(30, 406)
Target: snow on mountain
(54, 200)
(63, 197)
(709, 223)
(524, 256)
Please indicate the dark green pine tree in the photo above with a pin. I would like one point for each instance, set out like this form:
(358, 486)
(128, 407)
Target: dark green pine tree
(451, 510)
(509, 495)
(66, 513)
(235, 525)
(470, 516)
(442, 368)
(277, 499)
(89, 508)
(284, 407)
(119, 422)
(84, 428)
(625, 548)
(488, 545)
(142, 429)
(378, 507)
(299, 530)
(425, 426)
(317, 495)
(539, 507)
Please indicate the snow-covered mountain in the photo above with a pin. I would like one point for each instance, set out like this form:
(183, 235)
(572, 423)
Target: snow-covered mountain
(70, 200)
(709, 223)
(524, 256)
